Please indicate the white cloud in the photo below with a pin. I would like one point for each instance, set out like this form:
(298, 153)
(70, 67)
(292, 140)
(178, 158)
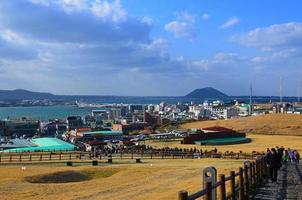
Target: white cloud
(104, 10)
(232, 21)
(147, 20)
(181, 30)
(205, 16)
(186, 16)
(12, 37)
(278, 36)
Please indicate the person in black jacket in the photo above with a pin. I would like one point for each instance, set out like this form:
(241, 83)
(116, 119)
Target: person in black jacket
(274, 163)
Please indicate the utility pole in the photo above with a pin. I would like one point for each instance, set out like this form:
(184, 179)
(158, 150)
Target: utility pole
(280, 89)
(251, 104)
(299, 90)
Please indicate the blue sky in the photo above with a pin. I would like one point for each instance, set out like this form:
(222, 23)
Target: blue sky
(150, 47)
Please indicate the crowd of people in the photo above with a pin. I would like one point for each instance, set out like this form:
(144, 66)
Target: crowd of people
(276, 157)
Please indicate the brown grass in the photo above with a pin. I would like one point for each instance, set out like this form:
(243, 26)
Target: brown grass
(259, 143)
(277, 124)
(161, 180)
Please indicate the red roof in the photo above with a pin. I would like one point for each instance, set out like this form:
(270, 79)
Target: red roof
(218, 129)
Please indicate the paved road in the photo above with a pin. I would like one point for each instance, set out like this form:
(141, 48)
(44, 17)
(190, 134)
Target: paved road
(288, 186)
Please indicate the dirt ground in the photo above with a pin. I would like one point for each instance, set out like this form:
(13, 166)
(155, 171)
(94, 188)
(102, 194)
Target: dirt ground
(153, 179)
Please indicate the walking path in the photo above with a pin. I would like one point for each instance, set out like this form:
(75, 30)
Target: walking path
(288, 186)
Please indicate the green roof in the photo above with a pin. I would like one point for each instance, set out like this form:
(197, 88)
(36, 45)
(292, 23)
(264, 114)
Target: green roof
(222, 141)
(45, 144)
(104, 132)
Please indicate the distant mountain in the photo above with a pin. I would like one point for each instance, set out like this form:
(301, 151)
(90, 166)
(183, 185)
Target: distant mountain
(20, 94)
(207, 92)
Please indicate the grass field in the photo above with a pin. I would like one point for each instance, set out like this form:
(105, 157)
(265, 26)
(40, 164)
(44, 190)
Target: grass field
(276, 124)
(259, 143)
(153, 179)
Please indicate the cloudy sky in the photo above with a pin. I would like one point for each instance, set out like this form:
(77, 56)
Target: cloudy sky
(150, 47)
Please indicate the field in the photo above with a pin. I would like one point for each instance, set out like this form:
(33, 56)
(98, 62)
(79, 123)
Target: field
(271, 124)
(153, 179)
(259, 143)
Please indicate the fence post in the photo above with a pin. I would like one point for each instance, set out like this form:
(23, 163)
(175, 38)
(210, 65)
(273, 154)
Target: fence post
(254, 172)
(233, 189)
(40, 157)
(209, 191)
(246, 178)
(29, 157)
(60, 156)
(183, 195)
(251, 174)
(210, 175)
(0, 157)
(132, 154)
(10, 158)
(20, 158)
(222, 187)
(50, 156)
(151, 154)
(241, 184)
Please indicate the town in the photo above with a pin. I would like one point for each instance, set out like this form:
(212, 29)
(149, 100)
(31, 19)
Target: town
(128, 124)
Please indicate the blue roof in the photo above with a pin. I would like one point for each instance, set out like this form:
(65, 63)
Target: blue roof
(104, 132)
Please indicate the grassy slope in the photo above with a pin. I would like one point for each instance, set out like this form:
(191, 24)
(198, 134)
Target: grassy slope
(277, 124)
(162, 180)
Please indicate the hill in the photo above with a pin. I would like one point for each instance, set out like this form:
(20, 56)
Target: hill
(207, 92)
(276, 124)
(20, 94)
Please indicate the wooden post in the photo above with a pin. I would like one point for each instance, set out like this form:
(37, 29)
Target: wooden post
(183, 195)
(151, 154)
(40, 157)
(246, 178)
(20, 158)
(0, 157)
(69, 156)
(233, 189)
(222, 187)
(251, 174)
(241, 184)
(132, 154)
(10, 158)
(29, 157)
(60, 156)
(254, 172)
(208, 195)
(50, 156)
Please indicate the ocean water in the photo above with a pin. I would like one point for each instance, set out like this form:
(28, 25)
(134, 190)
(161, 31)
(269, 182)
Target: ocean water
(42, 112)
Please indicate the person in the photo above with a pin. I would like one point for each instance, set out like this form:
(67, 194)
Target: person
(285, 157)
(296, 156)
(274, 164)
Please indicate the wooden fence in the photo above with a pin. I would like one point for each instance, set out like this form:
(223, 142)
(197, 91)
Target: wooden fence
(241, 183)
(150, 154)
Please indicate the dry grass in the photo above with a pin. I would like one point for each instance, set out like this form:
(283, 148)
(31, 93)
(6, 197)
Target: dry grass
(161, 180)
(277, 124)
(259, 143)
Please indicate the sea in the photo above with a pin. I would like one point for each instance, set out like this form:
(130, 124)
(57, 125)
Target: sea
(45, 113)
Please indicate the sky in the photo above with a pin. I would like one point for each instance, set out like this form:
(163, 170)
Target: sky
(151, 47)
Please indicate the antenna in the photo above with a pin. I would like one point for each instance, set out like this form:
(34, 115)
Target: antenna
(299, 90)
(280, 89)
(251, 93)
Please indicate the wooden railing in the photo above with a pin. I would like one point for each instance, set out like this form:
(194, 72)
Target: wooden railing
(132, 154)
(241, 183)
